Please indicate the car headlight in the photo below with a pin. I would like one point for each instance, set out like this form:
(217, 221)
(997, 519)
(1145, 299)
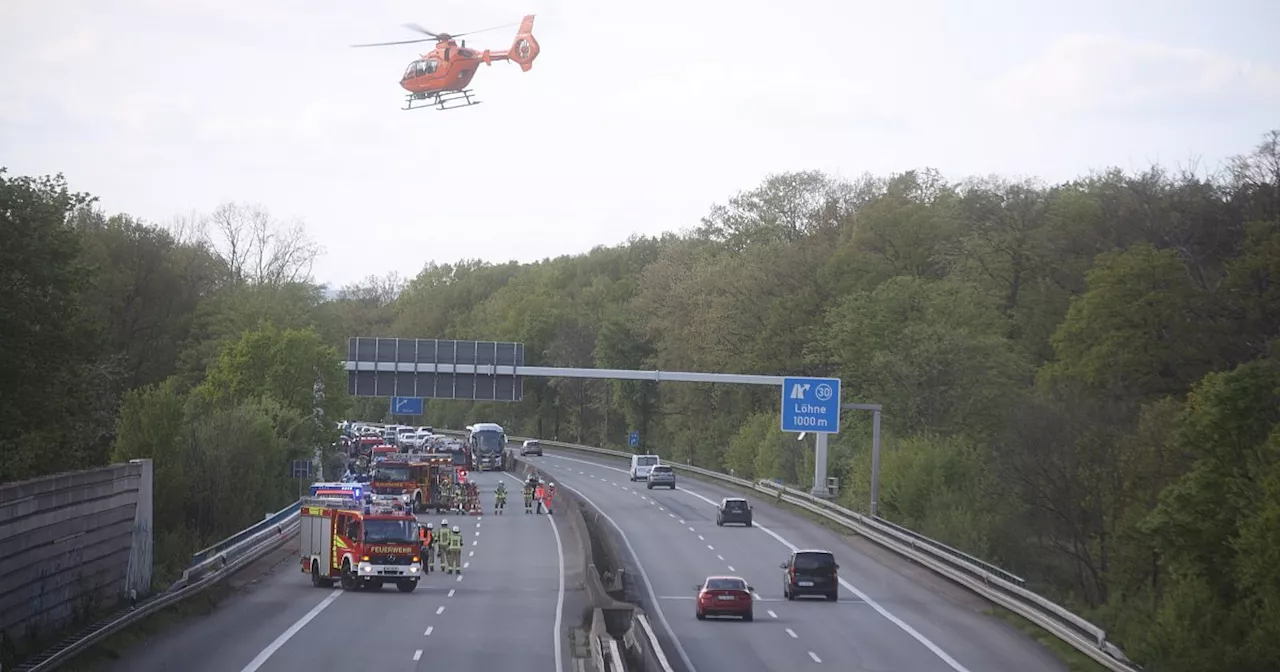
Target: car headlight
(413, 569)
(366, 568)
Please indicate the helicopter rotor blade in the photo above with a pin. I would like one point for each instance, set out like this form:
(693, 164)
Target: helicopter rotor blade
(483, 30)
(419, 29)
(387, 44)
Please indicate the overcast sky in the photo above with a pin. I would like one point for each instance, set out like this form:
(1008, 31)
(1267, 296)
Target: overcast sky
(635, 118)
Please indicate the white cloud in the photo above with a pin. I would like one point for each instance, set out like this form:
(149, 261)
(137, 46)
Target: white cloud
(1089, 74)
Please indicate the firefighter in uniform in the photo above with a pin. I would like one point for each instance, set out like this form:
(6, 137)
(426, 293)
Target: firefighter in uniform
(455, 550)
(500, 499)
(428, 539)
(442, 546)
(528, 497)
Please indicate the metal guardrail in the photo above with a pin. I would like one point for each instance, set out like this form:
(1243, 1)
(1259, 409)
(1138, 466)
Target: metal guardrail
(220, 561)
(270, 521)
(987, 580)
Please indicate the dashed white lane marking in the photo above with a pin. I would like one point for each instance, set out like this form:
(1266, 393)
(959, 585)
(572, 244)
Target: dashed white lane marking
(670, 514)
(477, 534)
(815, 657)
(682, 523)
(475, 542)
(720, 558)
(732, 569)
(915, 634)
(430, 628)
(771, 614)
(710, 547)
(439, 610)
(701, 538)
(449, 595)
(466, 565)
(459, 577)
(792, 633)
(477, 524)
(417, 655)
(691, 529)
(471, 554)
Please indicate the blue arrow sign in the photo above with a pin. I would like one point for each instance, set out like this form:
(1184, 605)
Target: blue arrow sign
(634, 439)
(406, 405)
(811, 405)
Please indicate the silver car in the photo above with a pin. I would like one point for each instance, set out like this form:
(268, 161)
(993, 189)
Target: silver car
(662, 475)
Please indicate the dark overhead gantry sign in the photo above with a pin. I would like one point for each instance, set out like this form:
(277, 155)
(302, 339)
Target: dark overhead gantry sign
(434, 369)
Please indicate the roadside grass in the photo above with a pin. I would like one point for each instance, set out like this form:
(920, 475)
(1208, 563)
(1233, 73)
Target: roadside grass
(116, 646)
(1073, 659)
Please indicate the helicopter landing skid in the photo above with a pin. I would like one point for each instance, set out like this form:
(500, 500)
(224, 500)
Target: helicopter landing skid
(445, 100)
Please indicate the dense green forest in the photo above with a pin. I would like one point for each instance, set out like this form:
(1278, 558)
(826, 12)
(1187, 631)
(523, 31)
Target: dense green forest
(1078, 379)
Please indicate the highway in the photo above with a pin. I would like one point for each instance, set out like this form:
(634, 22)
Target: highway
(505, 612)
(890, 616)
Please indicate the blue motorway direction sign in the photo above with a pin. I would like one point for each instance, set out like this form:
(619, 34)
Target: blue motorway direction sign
(406, 405)
(811, 405)
(634, 439)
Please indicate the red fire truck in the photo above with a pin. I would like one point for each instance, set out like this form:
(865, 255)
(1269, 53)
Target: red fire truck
(416, 478)
(358, 546)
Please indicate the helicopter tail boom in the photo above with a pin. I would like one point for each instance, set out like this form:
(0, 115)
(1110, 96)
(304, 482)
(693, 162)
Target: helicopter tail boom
(523, 49)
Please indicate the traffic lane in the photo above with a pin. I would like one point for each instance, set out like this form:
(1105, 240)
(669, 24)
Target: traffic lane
(447, 620)
(939, 615)
(237, 629)
(673, 567)
(846, 633)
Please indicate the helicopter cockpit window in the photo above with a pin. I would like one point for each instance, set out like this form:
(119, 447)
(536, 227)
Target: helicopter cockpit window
(432, 66)
(413, 70)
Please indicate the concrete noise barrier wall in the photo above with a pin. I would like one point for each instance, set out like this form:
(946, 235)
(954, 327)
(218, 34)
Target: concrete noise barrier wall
(73, 544)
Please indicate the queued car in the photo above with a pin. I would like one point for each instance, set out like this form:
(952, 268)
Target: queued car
(733, 510)
(724, 596)
(811, 572)
(531, 447)
(661, 475)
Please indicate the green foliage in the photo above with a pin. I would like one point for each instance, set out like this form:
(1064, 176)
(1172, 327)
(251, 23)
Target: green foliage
(1078, 379)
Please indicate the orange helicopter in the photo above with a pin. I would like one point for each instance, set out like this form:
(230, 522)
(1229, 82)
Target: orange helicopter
(440, 78)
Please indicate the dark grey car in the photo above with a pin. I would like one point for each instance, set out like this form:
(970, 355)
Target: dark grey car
(733, 510)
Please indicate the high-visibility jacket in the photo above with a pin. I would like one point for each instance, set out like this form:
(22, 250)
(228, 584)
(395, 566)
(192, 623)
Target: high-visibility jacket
(426, 537)
(455, 541)
(445, 533)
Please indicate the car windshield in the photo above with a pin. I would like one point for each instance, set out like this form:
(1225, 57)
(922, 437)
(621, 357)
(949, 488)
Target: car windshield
(390, 531)
(735, 506)
(662, 470)
(391, 474)
(646, 461)
(813, 561)
(726, 584)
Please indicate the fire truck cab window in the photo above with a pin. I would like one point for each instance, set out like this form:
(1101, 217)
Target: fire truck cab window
(353, 530)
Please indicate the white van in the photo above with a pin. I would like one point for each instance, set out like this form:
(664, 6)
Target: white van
(641, 465)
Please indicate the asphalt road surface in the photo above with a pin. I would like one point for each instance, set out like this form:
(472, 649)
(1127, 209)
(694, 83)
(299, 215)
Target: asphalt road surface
(505, 612)
(890, 616)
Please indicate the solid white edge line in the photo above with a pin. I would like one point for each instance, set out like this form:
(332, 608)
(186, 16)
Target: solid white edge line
(653, 599)
(288, 634)
(925, 641)
(560, 592)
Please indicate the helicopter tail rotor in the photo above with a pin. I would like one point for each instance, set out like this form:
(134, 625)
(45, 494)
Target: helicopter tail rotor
(523, 49)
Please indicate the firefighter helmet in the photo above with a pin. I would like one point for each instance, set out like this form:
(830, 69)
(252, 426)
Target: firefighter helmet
(456, 530)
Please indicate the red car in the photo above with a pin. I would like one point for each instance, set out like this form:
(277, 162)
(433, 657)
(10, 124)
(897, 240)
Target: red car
(724, 596)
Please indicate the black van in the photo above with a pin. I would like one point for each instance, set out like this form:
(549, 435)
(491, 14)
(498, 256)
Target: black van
(811, 572)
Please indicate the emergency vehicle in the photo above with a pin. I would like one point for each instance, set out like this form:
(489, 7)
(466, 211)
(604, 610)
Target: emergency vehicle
(339, 489)
(415, 478)
(358, 546)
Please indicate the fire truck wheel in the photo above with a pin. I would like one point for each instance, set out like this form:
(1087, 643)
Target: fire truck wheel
(348, 580)
(407, 586)
(317, 580)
